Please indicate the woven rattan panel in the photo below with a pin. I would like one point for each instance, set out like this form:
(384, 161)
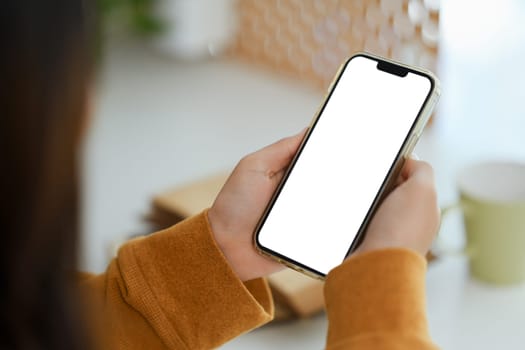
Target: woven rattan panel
(309, 39)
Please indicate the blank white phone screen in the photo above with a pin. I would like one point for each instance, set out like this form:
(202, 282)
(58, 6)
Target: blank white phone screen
(341, 169)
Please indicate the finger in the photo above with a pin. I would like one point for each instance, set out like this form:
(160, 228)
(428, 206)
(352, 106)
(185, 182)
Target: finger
(419, 171)
(406, 171)
(279, 154)
(408, 167)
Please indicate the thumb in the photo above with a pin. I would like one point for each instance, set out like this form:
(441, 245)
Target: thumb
(278, 155)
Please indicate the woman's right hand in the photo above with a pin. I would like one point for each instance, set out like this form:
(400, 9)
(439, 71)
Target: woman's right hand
(409, 216)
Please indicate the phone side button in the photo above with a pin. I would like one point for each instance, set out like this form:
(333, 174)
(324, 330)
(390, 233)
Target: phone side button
(412, 142)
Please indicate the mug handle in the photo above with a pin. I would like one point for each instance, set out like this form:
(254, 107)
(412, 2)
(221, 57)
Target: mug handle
(440, 247)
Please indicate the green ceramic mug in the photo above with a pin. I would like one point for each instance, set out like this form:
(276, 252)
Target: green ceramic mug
(492, 199)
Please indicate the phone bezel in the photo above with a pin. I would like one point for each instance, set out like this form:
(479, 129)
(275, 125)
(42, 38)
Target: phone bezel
(406, 148)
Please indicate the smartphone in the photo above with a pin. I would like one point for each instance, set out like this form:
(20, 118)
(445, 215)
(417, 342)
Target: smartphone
(349, 160)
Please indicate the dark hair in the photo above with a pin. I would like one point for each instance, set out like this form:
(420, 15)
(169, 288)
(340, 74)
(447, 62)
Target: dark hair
(45, 65)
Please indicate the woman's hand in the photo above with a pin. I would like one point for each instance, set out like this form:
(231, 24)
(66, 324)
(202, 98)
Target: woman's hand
(409, 216)
(241, 202)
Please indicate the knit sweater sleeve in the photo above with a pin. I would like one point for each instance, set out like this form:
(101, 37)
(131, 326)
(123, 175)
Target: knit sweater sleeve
(376, 300)
(174, 290)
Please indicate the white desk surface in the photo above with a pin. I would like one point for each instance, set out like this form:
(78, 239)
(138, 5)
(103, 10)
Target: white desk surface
(160, 123)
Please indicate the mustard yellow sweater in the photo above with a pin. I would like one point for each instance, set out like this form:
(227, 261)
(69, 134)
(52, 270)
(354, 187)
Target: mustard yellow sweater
(175, 290)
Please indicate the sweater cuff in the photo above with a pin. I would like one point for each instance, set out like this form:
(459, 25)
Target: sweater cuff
(180, 277)
(375, 294)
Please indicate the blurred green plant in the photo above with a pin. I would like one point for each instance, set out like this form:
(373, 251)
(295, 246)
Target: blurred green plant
(135, 15)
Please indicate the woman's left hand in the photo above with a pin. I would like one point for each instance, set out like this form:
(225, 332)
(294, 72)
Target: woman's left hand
(242, 201)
